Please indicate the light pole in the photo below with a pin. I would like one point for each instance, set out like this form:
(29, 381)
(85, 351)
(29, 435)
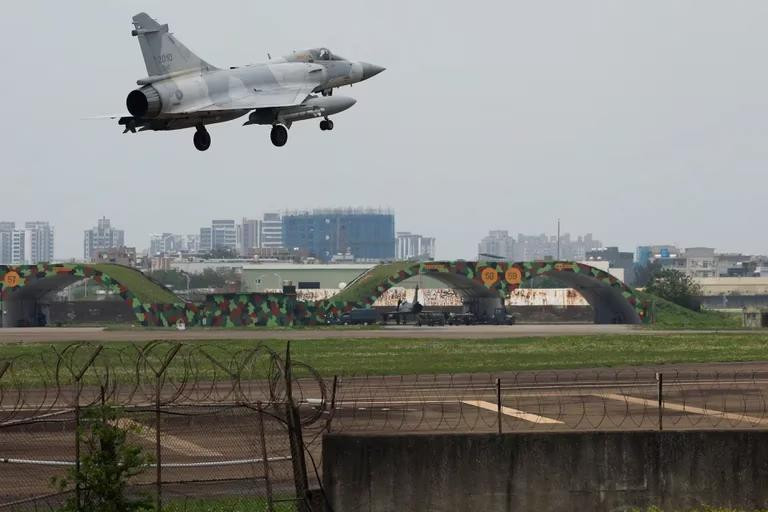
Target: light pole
(186, 275)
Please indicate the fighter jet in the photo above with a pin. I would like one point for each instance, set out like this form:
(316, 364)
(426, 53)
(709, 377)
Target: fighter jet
(405, 309)
(184, 91)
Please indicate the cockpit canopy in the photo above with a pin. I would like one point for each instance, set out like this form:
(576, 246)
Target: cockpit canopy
(315, 55)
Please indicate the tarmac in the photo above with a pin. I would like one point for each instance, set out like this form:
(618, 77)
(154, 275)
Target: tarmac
(139, 334)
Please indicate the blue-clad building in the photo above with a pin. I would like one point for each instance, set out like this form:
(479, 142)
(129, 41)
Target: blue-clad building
(366, 234)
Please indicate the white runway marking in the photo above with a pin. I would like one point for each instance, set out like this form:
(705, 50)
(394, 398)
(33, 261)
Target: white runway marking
(683, 408)
(515, 413)
(168, 441)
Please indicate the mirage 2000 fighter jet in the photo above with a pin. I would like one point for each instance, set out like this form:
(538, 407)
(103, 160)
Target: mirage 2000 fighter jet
(184, 91)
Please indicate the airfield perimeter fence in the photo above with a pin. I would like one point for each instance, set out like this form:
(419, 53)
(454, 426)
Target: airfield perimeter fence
(221, 427)
(237, 428)
(577, 400)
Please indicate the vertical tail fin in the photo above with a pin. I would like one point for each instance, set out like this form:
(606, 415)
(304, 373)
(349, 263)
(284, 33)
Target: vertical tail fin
(162, 52)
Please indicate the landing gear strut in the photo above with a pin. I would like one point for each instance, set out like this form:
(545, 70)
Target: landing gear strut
(326, 124)
(202, 138)
(279, 135)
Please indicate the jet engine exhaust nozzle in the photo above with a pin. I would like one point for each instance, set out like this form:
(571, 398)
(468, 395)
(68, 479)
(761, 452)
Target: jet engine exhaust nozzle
(144, 102)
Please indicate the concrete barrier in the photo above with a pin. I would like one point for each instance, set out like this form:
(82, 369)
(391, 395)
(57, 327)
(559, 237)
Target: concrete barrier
(594, 471)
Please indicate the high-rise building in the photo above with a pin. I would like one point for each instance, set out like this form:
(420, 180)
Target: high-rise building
(192, 243)
(250, 236)
(223, 234)
(541, 247)
(29, 245)
(206, 239)
(497, 245)
(19, 246)
(271, 231)
(165, 243)
(367, 234)
(102, 236)
(40, 240)
(410, 246)
(6, 242)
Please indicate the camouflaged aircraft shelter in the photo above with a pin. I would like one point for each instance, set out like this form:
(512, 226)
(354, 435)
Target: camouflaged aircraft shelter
(485, 283)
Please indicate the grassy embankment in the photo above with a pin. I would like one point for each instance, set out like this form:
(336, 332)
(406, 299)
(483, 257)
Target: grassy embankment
(668, 315)
(140, 285)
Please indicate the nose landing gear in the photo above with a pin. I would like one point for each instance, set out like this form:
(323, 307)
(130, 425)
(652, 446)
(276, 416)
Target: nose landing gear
(326, 124)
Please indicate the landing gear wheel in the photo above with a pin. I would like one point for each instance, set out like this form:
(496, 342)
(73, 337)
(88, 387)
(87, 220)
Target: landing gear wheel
(279, 135)
(202, 139)
(326, 124)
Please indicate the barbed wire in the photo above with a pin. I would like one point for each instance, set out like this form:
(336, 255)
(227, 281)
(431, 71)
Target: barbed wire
(218, 414)
(556, 400)
(39, 386)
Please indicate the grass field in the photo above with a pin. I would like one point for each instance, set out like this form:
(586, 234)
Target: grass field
(427, 356)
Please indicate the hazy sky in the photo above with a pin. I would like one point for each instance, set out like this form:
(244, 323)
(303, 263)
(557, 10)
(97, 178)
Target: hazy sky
(643, 121)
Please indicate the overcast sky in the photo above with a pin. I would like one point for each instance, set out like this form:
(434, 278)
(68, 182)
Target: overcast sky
(641, 122)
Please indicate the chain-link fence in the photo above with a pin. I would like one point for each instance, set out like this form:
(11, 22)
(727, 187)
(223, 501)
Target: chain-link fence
(553, 400)
(220, 428)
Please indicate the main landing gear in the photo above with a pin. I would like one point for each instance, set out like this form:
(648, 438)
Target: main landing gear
(202, 138)
(326, 124)
(279, 135)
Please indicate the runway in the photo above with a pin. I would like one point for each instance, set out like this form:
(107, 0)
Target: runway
(139, 334)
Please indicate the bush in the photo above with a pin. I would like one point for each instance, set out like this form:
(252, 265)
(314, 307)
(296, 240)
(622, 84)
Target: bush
(108, 462)
(676, 287)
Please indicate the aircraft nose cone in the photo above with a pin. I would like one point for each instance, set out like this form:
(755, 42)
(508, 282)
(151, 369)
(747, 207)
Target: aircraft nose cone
(370, 70)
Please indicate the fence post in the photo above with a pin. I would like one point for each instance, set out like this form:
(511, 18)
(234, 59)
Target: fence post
(333, 403)
(77, 445)
(78, 390)
(498, 403)
(660, 396)
(158, 450)
(300, 479)
(264, 456)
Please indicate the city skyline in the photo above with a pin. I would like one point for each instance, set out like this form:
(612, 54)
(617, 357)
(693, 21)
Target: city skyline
(142, 241)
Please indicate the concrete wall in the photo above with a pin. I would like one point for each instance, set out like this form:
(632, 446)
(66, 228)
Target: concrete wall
(596, 471)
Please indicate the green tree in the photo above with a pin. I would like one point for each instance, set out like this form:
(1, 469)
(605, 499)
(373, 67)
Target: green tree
(676, 287)
(209, 278)
(109, 461)
(172, 278)
(644, 273)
